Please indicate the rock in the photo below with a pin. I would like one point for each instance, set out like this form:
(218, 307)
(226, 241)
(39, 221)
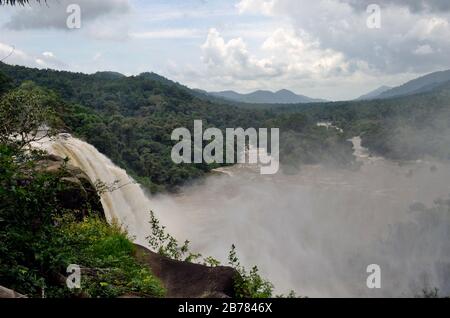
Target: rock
(79, 194)
(9, 293)
(189, 280)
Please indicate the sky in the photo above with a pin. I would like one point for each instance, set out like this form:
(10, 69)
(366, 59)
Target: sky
(323, 49)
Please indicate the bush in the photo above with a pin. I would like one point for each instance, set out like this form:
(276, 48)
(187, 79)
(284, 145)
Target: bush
(39, 238)
(106, 254)
(248, 284)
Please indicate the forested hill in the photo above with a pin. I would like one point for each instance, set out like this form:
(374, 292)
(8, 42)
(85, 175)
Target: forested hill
(130, 119)
(402, 128)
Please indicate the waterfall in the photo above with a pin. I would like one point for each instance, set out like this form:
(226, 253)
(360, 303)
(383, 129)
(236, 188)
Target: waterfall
(314, 232)
(128, 204)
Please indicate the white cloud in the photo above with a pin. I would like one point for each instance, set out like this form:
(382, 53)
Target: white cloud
(182, 33)
(285, 55)
(12, 55)
(264, 7)
(303, 56)
(53, 13)
(48, 54)
(97, 56)
(423, 50)
(340, 25)
(232, 59)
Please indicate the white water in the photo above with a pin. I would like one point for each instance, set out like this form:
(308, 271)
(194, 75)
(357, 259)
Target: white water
(314, 232)
(129, 205)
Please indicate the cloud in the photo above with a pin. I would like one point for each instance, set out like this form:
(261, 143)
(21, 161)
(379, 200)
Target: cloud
(412, 5)
(415, 6)
(48, 54)
(264, 7)
(423, 50)
(54, 15)
(287, 54)
(339, 26)
(284, 59)
(180, 33)
(12, 55)
(232, 59)
(303, 56)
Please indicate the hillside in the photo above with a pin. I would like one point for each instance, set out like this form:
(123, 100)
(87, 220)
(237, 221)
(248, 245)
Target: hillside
(131, 119)
(419, 85)
(265, 97)
(375, 93)
(402, 128)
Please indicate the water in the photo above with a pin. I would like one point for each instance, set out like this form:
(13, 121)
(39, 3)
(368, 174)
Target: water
(129, 204)
(315, 232)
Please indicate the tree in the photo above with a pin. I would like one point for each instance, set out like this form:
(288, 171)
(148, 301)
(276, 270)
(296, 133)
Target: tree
(25, 116)
(5, 83)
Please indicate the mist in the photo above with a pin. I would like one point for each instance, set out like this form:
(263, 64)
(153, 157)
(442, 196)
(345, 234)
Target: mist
(317, 231)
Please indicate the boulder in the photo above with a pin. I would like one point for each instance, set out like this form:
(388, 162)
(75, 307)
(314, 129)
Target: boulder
(189, 280)
(9, 293)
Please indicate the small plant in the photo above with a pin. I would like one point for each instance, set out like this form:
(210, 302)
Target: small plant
(430, 293)
(248, 284)
(166, 245)
(102, 187)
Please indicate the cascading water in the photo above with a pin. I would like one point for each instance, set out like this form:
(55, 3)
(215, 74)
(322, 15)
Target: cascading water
(315, 232)
(128, 204)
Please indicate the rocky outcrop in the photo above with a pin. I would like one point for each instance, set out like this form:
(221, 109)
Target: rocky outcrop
(78, 194)
(188, 280)
(9, 293)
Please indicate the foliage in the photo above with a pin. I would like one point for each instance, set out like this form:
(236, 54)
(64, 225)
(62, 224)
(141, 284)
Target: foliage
(40, 238)
(107, 255)
(167, 245)
(248, 284)
(25, 116)
(19, 2)
(130, 119)
(405, 128)
(5, 83)
(430, 293)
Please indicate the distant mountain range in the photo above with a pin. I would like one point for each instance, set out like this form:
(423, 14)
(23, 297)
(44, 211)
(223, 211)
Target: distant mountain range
(283, 96)
(419, 85)
(375, 93)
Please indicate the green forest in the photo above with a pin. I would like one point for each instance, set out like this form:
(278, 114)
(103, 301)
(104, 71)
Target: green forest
(130, 120)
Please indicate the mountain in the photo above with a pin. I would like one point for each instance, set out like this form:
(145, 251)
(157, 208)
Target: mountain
(283, 96)
(109, 75)
(375, 93)
(419, 85)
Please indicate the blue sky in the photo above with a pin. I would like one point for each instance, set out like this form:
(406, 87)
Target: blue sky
(317, 48)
